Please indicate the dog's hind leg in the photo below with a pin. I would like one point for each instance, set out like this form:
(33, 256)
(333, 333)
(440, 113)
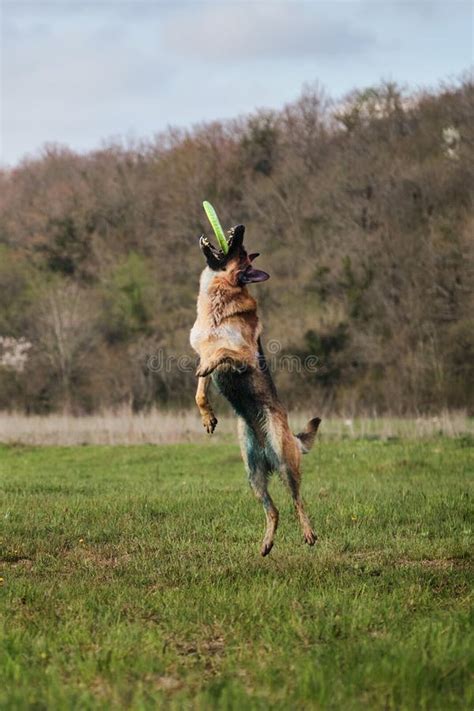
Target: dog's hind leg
(259, 484)
(258, 480)
(292, 478)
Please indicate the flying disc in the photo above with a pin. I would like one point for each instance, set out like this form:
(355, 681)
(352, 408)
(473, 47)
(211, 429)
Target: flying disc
(216, 226)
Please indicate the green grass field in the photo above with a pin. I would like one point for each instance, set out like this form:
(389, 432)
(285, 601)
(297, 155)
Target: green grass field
(132, 578)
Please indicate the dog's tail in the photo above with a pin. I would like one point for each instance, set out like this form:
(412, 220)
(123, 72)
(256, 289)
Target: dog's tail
(305, 439)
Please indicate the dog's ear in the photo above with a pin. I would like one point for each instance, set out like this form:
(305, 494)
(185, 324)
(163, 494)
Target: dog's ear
(252, 276)
(211, 254)
(236, 240)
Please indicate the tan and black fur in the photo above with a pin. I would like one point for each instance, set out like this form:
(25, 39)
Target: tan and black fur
(226, 335)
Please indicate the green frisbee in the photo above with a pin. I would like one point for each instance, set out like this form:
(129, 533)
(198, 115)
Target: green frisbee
(216, 226)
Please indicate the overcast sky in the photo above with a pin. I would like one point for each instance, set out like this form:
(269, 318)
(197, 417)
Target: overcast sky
(78, 73)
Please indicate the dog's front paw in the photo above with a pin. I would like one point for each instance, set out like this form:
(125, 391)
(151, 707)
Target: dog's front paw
(310, 537)
(209, 423)
(204, 370)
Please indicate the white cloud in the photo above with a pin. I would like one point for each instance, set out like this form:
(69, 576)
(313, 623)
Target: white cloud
(65, 80)
(241, 31)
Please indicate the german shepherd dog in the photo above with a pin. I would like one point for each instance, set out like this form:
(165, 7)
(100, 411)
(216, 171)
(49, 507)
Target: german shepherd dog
(226, 336)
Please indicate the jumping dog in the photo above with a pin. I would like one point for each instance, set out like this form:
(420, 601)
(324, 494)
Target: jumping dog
(226, 336)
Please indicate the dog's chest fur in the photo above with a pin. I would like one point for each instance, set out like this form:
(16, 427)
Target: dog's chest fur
(226, 317)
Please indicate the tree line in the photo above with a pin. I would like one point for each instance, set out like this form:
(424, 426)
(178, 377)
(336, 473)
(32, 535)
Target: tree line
(362, 212)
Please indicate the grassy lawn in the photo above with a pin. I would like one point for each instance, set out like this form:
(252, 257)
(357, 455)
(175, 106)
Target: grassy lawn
(132, 578)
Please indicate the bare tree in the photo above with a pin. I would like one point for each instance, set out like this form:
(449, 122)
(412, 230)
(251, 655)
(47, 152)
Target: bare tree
(66, 332)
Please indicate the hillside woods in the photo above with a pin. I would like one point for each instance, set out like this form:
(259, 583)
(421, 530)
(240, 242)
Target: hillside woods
(362, 212)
